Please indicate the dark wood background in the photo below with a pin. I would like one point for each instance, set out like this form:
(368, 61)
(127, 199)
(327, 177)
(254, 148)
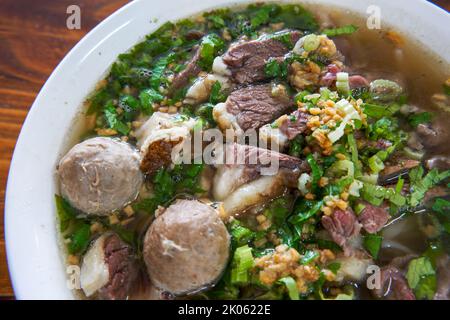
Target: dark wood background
(33, 39)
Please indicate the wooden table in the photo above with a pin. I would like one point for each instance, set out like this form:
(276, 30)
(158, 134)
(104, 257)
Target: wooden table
(33, 39)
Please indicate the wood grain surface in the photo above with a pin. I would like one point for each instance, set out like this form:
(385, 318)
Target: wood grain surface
(33, 39)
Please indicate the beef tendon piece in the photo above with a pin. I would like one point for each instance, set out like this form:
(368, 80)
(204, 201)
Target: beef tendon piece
(201, 89)
(252, 107)
(109, 270)
(247, 59)
(100, 175)
(186, 248)
(248, 176)
(161, 138)
(353, 267)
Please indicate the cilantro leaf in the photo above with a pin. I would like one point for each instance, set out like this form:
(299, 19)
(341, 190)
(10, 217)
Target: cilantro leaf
(418, 268)
(112, 119)
(147, 97)
(419, 118)
(65, 212)
(372, 243)
(210, 46)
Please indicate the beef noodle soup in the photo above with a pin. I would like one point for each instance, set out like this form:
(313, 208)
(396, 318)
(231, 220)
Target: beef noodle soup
(265, 152)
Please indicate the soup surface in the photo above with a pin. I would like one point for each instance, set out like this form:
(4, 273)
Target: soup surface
(265, 152)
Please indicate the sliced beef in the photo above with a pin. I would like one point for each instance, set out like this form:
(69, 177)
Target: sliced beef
(357, 81)
(277, 135)
(428, 135)
(294, 124)
(194, 35)
(254, 106)
(122, 267)
(380, 144)
(439, 162)
(396, 168)
(435, 136)
(373, 218)
(435, 192)
(247, 60)
(252, 156)
(393, 284)
(192, 69)
(342, 225)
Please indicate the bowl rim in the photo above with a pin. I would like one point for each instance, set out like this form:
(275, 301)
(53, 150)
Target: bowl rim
(16, 255)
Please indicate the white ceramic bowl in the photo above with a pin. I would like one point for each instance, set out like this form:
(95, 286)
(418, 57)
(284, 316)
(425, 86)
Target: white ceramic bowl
(36, 268)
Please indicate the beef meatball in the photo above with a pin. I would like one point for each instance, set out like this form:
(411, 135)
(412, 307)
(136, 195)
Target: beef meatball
(100, 175)
(109, 269)
(186, 248)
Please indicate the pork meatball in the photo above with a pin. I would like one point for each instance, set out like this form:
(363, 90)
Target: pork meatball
(100, 175)
(109, 270)
(186, 248)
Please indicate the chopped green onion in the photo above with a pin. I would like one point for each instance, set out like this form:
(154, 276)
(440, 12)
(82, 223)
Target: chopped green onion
(240, 233)
(354, 151)
(370, 178)
(311, 42)
(300, 97)
(345, 30)
(413, 154)
(359, 208)
(399, 185)
(342, 168)
(242, 262)
(354, 188)
(291, 286)
(375, 164)
(342, 83)
(421, 185)
(309, 256)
